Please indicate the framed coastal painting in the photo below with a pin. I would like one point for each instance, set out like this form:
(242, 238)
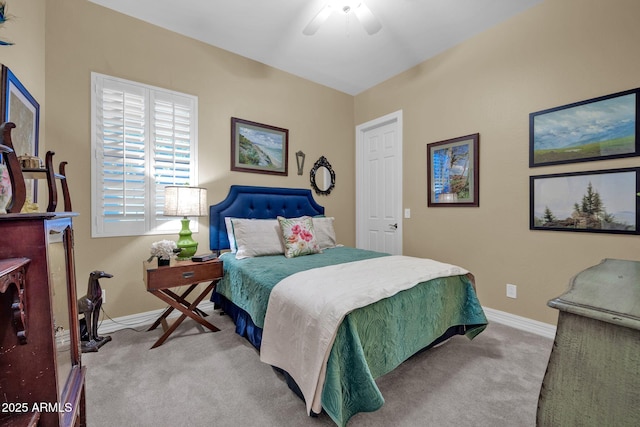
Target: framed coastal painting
(259, 148)
(602, 201)
(453, 172)
(596, 129)
(17, 105)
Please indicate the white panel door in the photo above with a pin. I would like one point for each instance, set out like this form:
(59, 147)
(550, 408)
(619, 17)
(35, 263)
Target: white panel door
(379, 184)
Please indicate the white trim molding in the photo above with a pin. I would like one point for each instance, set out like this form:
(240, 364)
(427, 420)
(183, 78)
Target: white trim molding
(525, 324)
(136, 320)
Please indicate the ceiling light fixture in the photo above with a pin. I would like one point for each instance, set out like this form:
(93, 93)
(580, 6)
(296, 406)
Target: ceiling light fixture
(362, 12)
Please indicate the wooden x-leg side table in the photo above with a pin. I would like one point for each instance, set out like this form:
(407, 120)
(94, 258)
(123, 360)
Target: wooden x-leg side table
(161, 280)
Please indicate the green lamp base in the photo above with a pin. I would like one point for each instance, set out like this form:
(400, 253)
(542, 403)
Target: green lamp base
(186, 243)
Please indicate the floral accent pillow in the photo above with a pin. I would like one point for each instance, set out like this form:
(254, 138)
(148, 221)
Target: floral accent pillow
(299, 236)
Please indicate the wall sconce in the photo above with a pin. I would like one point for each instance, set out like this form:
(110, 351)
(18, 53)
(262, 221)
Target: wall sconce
(300, 161)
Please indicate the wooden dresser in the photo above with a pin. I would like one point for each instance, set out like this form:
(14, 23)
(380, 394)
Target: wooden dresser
(41, 374)
(593, 376)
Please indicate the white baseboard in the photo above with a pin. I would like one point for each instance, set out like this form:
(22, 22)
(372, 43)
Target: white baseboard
(137, 320)
(522, 323)
(140, 319)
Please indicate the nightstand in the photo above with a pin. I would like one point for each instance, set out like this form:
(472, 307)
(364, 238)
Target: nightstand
(161, 280)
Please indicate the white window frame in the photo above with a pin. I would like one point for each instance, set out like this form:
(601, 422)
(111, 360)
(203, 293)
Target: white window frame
(159, 134)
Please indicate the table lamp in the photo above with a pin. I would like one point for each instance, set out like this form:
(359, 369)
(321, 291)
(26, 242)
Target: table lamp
(185, 201)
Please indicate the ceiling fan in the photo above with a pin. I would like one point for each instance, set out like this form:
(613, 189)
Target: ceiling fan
(362, 12)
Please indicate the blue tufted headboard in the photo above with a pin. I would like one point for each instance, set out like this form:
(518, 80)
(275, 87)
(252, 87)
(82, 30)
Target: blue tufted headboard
(245, 201)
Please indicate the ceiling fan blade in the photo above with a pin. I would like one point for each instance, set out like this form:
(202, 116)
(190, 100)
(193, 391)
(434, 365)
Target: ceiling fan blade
(318, 20)
(367, 19)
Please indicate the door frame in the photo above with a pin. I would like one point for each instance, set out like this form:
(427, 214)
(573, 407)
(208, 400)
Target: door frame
(395, 117)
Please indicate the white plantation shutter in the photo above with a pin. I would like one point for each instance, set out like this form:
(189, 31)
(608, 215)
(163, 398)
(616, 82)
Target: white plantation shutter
(143, 138)
(172, 153)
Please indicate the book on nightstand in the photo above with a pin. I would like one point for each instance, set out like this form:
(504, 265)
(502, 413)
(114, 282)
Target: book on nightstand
(203, 257)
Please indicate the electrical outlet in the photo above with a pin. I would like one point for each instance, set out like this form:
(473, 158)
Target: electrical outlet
(104, 296)
(512, 291)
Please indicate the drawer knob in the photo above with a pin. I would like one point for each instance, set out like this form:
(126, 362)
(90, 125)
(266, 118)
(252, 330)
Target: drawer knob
(188, 274)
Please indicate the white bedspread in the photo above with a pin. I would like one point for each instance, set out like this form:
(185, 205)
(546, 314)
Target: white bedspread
(306, 308)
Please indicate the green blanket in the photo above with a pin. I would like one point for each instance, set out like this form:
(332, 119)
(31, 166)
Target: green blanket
(372, 340)
(259, 275)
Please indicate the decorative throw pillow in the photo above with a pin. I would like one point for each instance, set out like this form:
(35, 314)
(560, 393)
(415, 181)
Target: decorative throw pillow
(256, 237)
(299, 236)
(325, 234)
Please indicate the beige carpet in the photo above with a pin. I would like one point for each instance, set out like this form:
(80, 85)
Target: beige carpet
(216, 379)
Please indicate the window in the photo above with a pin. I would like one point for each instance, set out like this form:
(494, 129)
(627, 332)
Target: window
(142, 139)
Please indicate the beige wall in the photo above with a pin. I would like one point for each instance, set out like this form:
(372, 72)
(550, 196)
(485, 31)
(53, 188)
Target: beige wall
(83, 37)
(26, 57)
(561, 51)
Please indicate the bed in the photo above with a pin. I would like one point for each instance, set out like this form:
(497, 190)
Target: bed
(331, 318)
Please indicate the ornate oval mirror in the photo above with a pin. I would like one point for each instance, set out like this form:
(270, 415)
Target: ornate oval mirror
(322, 177)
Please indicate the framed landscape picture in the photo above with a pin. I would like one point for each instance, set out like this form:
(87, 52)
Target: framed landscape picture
(452, 172)
(604, 201)
(259, 148)
(19, 107)
(595, 129)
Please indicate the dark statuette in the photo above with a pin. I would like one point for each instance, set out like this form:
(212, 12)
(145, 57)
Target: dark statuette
(89, 306)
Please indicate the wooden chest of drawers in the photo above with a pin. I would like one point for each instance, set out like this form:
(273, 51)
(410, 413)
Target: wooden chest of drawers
(594, 369)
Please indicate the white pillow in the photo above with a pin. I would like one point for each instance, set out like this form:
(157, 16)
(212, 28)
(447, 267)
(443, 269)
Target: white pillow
(325, 234)
(257, 237)
(232, 238)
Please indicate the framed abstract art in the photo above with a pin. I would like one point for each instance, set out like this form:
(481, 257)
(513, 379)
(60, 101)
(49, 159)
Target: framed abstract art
(453, 172)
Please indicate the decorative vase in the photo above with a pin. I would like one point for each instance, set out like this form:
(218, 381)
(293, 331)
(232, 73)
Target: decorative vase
(5, 189)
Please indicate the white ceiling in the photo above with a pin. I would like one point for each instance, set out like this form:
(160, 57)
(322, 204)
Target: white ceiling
(340, 55)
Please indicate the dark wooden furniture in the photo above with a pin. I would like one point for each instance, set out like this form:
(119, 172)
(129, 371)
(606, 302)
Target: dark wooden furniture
(12, 282)
(594, 369)
(27, 419)
(49, 174)
(45, 373)
(18, 175)
(160, 282)
(18, 189)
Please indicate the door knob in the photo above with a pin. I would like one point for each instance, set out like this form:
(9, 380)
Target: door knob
(394, 226)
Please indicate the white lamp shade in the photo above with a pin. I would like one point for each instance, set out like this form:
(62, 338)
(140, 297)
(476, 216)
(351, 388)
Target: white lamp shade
(185, 201)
